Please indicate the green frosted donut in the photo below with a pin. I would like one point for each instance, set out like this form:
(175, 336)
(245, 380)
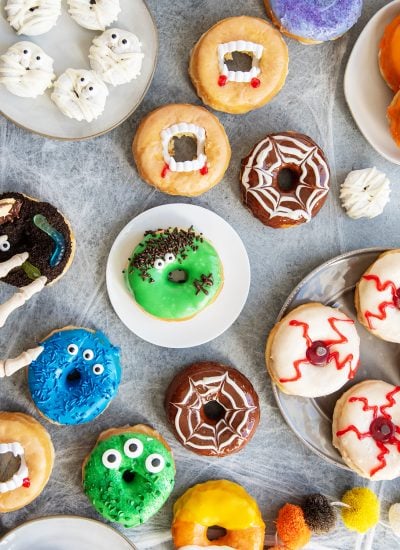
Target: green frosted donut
(129, 475)
(174, 273)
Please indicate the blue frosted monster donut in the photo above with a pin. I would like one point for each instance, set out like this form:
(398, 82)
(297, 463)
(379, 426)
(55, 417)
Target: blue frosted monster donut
(75, 377)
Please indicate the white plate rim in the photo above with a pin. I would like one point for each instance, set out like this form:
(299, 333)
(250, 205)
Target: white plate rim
(346, 79)
(275, 389)
(240, 304)
(65, 516)
(123, 119)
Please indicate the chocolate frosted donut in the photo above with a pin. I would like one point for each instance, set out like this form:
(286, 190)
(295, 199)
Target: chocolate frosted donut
(213, 409)
(285, 179)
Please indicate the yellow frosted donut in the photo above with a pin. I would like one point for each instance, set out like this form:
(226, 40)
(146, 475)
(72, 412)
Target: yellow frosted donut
(238, 91)
(25, 438)
(221, 503)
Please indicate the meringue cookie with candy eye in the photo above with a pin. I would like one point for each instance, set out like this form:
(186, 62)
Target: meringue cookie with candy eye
(365, 193)
(26, 70)
(32, 17)
(80, 94)
(95, 15)
(116, 56)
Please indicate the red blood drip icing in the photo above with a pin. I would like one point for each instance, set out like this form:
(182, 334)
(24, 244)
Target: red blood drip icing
(334, 355)
(382, 307)
(26, 482)
(204, 170)
(255, 82)
(389, 439)
(165, 170)
(222, 80)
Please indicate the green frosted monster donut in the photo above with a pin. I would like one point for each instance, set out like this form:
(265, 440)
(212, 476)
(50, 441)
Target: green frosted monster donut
(174, 273)
(129, 474)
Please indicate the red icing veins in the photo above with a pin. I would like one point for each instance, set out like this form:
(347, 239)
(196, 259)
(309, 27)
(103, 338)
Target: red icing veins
(327, 343)
(165, 170)
(26, 482)
(375, 430)
(382, 307)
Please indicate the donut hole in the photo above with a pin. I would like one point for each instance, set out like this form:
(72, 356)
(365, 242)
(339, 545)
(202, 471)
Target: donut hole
(74, 377)
(128, 476)
(239, 61)
(216, 532)
(287, 180)
(214, 411)
(183, 147)
(9, 465)
(178, 276)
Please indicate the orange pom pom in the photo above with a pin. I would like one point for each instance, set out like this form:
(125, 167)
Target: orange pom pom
(292, 528)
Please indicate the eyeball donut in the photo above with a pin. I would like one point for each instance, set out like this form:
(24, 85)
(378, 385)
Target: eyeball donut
(32, 17)
(75, 377)
(27, 440)
(377, 297)
(225, 88)
(94, 14)
(129, 474)
(80, 94)
(313, 351)
(25, 70)
(366, 428)
(116, 56)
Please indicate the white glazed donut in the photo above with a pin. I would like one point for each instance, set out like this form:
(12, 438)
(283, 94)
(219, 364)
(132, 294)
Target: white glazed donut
(313, 351)
(378, 297)
(94, 14)
(32, 17)
(116, 56)
(80, 94)
(366, 428)
(365, 193)
(25, 70)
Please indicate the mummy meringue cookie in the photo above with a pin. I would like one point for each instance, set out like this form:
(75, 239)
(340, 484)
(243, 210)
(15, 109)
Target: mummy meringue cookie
(25, 70)
(94, 14)
(116, 56)
(80, 94)
(32, 17)
(365, 193)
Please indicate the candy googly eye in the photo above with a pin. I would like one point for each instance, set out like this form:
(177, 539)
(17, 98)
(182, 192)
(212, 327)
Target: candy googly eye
(111, 459)
(133, 448)
(82, 79)
(5, 245)
(88, 354)
(98, 369)
(159, 263)
(124, 41)
(169, 258)
(38, 57)
(25, 52)
(155, 463)
(114, 36)
(72, 349)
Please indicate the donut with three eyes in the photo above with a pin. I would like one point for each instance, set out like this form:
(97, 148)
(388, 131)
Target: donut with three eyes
(26, 70)
(129, 474)
(174, 273)
(32, 17)
(95, 15)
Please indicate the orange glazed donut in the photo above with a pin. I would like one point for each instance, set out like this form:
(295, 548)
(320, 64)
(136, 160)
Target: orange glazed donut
(26, 439)
(393, 116)
(222, 503)
(153, 150)
(389, 54)
(235, 91)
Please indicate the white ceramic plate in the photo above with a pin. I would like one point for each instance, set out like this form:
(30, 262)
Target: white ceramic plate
(333, 284)
(64, 533)
(367, 94)
(68, 44)
(214, 319)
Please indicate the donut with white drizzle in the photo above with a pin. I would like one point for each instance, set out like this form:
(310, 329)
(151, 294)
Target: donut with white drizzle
(261, 189)
(212, 408)
(32, 17)
(313, 351)
(95, 15)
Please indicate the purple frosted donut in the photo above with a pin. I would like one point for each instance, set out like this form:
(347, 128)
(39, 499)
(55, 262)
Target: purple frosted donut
(316, 20)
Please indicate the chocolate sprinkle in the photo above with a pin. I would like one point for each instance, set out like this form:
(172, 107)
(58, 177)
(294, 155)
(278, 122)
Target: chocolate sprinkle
(205, 280)
(318, 513)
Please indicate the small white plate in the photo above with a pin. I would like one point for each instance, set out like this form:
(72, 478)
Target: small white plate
(68, 44)
(367, 94)
(214, 319)
(64, 533)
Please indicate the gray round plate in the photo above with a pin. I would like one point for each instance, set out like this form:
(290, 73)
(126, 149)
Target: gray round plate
(333, 284)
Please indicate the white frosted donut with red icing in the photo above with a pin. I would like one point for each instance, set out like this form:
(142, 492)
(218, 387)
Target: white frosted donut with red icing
(378, 297)
(313, 351)
(366, 429)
